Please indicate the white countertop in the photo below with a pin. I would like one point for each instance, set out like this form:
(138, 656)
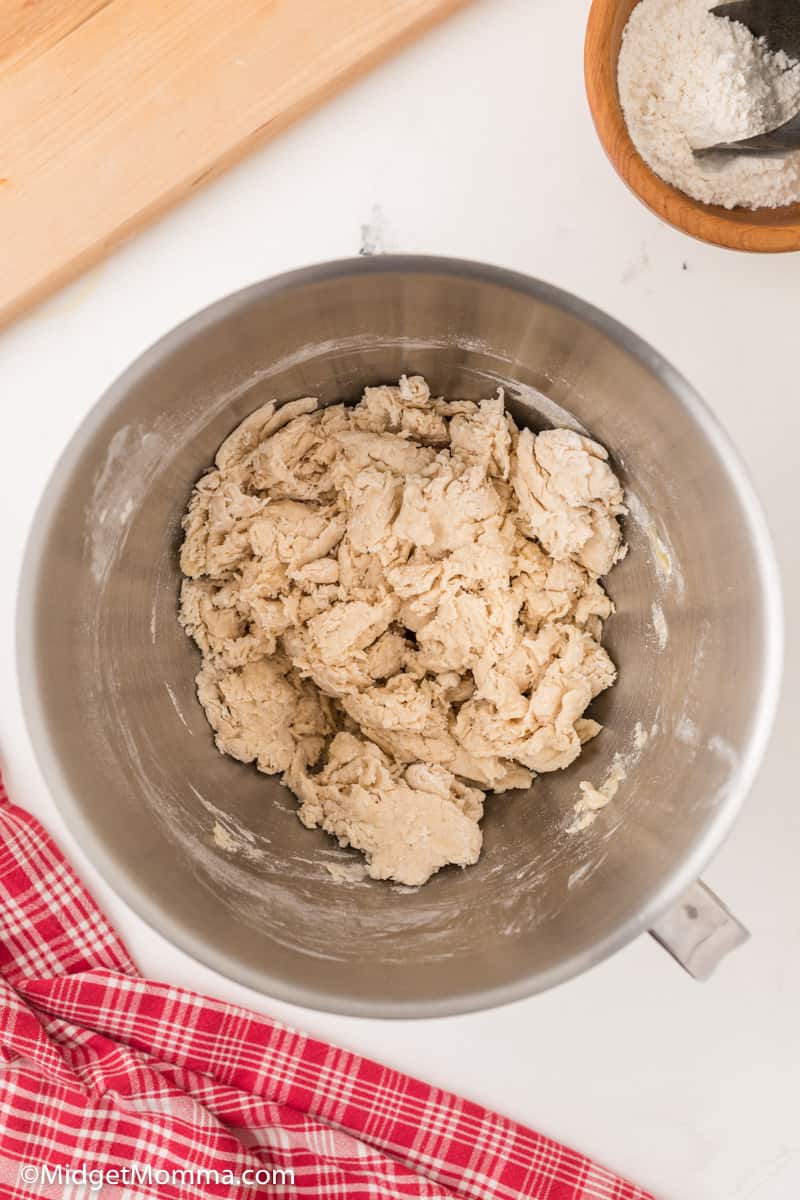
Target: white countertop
(477, 143)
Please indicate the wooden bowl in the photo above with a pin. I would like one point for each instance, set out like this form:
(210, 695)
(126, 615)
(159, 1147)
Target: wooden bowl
(767, 230)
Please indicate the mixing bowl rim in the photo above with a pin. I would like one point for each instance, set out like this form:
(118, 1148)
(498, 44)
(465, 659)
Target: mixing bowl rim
(110, 865)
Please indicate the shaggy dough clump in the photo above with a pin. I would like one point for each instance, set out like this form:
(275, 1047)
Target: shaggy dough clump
(398, 609)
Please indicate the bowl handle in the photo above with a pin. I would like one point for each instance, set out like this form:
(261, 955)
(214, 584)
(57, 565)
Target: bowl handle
(699, 931)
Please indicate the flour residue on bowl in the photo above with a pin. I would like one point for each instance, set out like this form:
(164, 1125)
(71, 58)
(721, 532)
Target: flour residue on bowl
(347, 872)
(659, 625)
(173, 699)
(686, 731)
(661, 551)
(593, 800)
(231, 835)
(122, 482)
(724, 750)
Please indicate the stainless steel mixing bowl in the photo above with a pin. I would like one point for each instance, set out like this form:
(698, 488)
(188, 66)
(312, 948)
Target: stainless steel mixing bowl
(209, 851)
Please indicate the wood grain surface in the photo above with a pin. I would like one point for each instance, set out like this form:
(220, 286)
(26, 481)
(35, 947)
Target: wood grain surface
(112, 110)
(762, 230)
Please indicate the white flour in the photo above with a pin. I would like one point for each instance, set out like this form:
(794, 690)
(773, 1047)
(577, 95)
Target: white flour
(688, 80)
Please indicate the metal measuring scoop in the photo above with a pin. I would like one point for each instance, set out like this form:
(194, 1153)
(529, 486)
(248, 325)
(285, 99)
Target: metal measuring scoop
(778, 22)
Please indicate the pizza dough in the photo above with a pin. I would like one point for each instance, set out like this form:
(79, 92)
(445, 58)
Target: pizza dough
(398, 609)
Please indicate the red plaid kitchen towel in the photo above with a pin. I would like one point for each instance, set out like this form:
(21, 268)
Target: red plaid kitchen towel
(108, 1079)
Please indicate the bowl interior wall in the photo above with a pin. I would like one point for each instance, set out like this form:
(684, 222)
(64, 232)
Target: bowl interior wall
(209, 850)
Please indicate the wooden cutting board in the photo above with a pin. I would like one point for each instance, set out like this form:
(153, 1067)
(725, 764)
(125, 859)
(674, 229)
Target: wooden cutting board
(112, 110)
